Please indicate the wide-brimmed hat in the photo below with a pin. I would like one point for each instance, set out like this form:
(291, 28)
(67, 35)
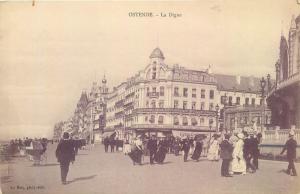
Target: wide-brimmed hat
(240, 135)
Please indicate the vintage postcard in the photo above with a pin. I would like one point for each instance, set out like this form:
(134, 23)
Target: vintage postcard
(134, 97)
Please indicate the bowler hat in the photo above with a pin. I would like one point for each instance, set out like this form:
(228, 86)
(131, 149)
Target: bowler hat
(66, 135)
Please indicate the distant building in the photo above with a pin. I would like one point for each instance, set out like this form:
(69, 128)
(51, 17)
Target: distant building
(238, 94)
(247, 117)
(88, 121)
(284, 97)
(164, 100)
(57, 131)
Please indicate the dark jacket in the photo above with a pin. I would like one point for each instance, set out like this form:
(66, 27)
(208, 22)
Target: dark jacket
(185, 146)
(290, 146)
(65, 151)
(254, 151)
(226, 150)
(152, 145)
(247, 147)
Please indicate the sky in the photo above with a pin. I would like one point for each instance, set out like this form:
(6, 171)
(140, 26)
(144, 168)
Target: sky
(52, 51)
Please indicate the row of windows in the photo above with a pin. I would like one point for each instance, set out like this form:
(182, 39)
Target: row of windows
(185, 120)
(194, 93)
(184, 92)
(237, 101)
(161, 91)
(193, 105)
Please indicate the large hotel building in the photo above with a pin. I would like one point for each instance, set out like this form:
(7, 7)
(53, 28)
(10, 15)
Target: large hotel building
(284, 98)
(164, 100)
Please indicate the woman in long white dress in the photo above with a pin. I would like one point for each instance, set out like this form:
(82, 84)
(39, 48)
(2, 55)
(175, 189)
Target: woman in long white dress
(238, 164)
(213, 151)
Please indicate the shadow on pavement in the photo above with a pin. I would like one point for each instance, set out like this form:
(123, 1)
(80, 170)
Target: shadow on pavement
(168, 162)
(82, 178)
(282, 171)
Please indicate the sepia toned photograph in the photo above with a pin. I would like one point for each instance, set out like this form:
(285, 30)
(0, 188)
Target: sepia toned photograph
(150, 97)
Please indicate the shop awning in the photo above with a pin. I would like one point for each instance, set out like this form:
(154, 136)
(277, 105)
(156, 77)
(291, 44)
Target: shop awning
(108, 134)
(186, 133)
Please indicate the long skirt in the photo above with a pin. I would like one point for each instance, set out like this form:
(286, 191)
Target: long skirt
(136, 156)
(238, 166)
(176, 150)
(197, 153)
(127, 149)
(213, 153)
(160, 155)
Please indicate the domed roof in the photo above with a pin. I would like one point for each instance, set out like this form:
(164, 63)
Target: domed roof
(104, 81)
(157, 53)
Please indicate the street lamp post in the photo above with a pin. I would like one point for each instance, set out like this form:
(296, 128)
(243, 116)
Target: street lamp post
(224, 112)
(217, 117)
(277, 65)
(262, 85)
(210, 126)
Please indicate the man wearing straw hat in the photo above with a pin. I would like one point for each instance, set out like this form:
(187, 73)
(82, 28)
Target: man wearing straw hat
(291, 146)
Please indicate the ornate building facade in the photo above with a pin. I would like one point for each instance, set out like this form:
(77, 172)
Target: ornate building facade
(284, 98)
(164, 100)
(88, 121)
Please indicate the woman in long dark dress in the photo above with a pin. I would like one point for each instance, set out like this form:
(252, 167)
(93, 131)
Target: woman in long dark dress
(136, 152)
(197, 152)
(161, 152)
(176, 147)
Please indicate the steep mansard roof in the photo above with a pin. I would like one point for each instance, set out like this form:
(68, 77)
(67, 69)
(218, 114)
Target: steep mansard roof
(238, 83)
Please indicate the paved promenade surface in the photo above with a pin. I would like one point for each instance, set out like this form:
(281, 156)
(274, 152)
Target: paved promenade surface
(113, 173)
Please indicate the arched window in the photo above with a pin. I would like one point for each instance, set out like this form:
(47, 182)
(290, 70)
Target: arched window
(201, 121)
(153, 104)
(160, 119)
(185, 121)
(176, 120)
(152, 119)
(211, 122)
(161, 91)
(194, 121)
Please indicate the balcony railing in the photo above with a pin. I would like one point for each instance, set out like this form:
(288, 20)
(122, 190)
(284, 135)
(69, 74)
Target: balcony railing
(119, 114)
(153, 94)
(119, 103)
(130, 95)
(169, 127)
(174, 110)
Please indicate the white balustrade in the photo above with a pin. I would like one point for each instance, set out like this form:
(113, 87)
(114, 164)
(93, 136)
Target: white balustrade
(279, 136)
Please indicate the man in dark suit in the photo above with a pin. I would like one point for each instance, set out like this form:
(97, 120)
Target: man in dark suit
(254, 151)
(65, 153)
(247, 152)
(112, 143)
(152, 146)
(106, 144)
(186, 148)
(291, 146)
(226, 155)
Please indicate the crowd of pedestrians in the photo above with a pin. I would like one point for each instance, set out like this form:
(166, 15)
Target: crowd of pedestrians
(239, 152)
